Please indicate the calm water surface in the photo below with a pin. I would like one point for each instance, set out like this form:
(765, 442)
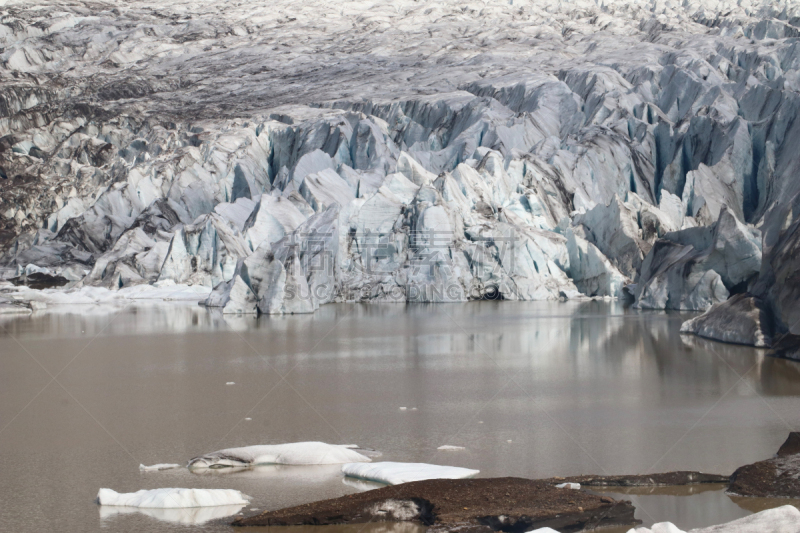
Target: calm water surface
(530, 389)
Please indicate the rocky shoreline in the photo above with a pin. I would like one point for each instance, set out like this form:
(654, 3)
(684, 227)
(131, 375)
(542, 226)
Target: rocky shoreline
(470, 505)
(778, 477)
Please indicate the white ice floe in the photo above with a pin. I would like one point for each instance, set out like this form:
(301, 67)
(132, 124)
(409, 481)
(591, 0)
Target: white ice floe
(170, 498)
(190, 516)
(396, 473)
(543, 530)
(574, 486)
(296, 453)
(159, 466)
(230, 383)
(448, 448)
(785, 519)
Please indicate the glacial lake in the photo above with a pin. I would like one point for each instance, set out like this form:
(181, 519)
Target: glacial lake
(531, 389)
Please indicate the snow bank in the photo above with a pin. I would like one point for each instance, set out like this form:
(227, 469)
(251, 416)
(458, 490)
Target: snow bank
(396, 473)
(172, 498)
(159, 466)
(573, 486)
(785, 519)
(296, 453)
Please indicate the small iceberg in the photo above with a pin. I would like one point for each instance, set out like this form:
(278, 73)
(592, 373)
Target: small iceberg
(296, 453)
(448, 448)
(573, 486)
(396, 473)
(159, 466)
(189, 516)
(783, 519)
(172, 498)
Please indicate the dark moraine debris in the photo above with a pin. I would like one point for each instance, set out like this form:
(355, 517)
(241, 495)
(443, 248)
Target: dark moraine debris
(471, 505)
(40, 280)
(778, 477)
(645, 480)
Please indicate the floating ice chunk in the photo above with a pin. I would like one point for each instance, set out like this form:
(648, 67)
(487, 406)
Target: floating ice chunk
(187, 516)
(543, 530)
(159, 466)
(230, 383)
(783, 519)
(361, 485)
(448, 448)
(172, 498)
(396, 473)
(248, 419)
(403, 408)
(296, 453)
(574, 486)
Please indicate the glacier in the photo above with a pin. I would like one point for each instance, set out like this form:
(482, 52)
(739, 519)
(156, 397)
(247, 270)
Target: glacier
(278, 158)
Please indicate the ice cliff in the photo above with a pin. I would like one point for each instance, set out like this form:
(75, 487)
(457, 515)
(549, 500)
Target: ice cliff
(294, 154)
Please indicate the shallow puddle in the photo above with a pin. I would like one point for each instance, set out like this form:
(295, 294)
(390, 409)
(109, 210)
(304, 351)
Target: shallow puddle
(529, 389)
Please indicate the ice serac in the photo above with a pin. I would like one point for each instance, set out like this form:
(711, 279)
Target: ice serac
(695, 268)
(397, 473)
(778, 282)
(590, 147)
(296, 453)
(615, 231)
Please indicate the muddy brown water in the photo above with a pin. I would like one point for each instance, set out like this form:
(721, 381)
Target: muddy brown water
(87, 393)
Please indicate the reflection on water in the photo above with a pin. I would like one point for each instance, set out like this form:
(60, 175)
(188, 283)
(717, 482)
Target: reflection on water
(693, 506)
(191, 516)
(531, 389)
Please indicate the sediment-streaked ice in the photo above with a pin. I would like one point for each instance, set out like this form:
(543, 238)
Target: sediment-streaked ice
(172, 498)
(396, 473)
(296, 453)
